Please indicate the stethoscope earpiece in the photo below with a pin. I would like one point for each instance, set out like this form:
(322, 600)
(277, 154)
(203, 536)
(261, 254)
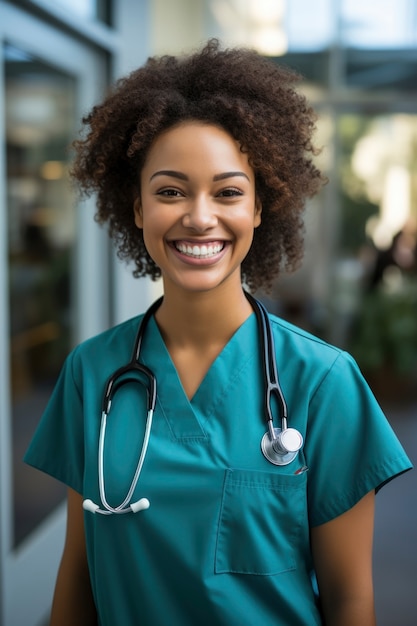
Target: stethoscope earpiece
(140, 505)
(133, 507)
(89, 505)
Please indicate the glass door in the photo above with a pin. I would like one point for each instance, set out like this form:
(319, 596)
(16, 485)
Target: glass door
(47, 303)
(40, 113)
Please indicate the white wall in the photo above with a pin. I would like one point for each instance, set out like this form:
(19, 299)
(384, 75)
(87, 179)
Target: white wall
(176, 25)
(133, 22)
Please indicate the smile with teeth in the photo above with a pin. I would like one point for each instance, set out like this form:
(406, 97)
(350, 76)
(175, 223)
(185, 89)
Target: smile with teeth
(203, 251)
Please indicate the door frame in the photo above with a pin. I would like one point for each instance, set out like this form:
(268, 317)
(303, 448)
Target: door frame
(28, 572)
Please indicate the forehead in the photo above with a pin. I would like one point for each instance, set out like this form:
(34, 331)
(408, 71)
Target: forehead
(196, 143)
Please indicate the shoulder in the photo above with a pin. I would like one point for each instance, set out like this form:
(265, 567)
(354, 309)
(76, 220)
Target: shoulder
(306, 360)
(298, 343)
(111, 345)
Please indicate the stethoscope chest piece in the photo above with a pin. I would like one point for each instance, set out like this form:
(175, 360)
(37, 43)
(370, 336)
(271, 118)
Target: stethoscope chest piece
(283, 448)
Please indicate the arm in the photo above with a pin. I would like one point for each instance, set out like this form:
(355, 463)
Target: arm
(73, 600)
(342, 552)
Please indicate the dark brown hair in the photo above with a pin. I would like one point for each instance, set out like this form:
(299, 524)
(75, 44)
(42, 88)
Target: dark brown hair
(250, 97)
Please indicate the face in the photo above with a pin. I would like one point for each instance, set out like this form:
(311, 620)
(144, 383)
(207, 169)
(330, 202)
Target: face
(198, 207)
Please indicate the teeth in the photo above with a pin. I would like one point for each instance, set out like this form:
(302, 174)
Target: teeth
(199, 252)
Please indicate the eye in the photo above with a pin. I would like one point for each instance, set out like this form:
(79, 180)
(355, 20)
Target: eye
(169, 192)
(230, 192)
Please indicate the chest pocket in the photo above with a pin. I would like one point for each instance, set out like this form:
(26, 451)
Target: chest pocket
(262, 519)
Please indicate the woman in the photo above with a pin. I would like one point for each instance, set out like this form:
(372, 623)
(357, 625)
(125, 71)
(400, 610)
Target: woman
(202, 165)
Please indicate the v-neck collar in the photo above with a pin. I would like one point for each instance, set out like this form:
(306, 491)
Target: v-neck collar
(186, 417)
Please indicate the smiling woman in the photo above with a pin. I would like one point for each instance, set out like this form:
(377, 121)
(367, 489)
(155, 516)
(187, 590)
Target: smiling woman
(258, 106)
(202, 166)
(198, 222)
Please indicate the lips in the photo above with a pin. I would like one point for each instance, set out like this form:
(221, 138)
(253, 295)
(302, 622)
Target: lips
(199, 251)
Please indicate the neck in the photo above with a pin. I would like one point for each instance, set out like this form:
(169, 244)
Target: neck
(202, 318)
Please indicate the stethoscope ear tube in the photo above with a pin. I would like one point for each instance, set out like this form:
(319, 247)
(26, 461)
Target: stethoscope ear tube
(279, 446)
(119, 378)
(144, 376)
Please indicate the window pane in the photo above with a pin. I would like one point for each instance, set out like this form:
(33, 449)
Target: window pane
(381, 70)
(41, 227)
(379, 25)
(87, 9)
(309, 25)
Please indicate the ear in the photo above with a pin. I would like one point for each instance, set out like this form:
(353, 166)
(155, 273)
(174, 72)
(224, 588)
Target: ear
(258, 211)
(137, 210)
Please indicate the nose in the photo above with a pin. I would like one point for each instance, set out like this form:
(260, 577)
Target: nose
(200, 215)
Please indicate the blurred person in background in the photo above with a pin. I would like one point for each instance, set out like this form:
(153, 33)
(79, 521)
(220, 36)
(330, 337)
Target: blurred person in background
(401, 254)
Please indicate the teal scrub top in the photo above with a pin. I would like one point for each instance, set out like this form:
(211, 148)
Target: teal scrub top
(225, 541)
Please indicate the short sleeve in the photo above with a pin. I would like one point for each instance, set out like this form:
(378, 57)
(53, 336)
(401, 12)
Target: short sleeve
(57, 447)
(350, 448)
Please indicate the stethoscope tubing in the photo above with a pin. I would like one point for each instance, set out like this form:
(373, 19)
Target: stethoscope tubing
(114, 382)
(121, 508)
(272, 385)
(272, 444)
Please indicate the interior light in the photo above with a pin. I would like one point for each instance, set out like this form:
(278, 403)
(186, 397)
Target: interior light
(52, 170)
(266, 11)
(270, 41)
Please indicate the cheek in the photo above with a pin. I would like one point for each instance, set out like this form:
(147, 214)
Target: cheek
(153, 233)
(246, 221)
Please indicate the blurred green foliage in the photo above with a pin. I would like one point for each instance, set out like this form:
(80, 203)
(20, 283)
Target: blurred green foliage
(385, 334)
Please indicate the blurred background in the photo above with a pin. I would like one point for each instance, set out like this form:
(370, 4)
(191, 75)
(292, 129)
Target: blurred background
(61, 283)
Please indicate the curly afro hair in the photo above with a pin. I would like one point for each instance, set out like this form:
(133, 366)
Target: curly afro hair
(251, 98)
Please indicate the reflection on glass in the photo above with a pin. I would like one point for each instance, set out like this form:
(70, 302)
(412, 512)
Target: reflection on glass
(87, 9)
(379, 25)
(309, 25)
(255, 23)
(381, 70)
(41, 224)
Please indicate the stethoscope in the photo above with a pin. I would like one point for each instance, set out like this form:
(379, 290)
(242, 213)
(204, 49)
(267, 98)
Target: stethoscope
(280, 446)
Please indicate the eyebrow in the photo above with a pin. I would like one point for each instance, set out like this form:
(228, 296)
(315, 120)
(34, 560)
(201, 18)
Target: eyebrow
(181, 176)
(171, 173)
(229, 175)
